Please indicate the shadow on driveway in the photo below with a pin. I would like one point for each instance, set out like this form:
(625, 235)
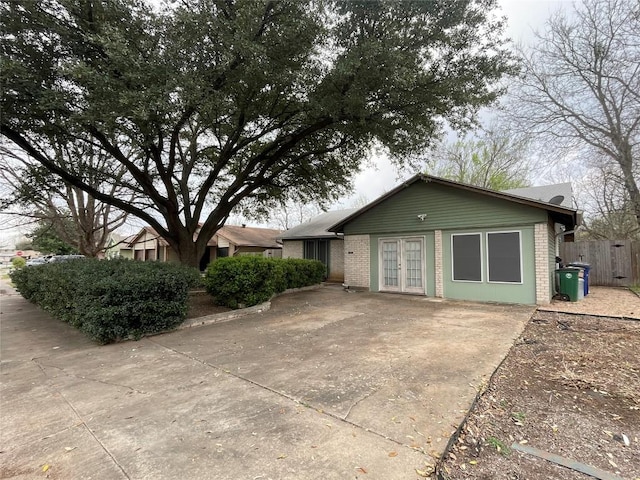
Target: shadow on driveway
(327, 385)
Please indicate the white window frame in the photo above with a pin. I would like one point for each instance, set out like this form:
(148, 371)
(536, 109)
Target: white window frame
(479, 235)
(519, 232)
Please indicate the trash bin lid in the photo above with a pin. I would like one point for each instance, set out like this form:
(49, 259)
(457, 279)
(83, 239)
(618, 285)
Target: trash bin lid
(579, 264)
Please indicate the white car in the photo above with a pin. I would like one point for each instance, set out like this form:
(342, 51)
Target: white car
(36, 261)
(64, 258)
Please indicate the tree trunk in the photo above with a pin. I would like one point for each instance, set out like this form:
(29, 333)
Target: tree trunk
(626, 165)
(189, 251)
(634, 193)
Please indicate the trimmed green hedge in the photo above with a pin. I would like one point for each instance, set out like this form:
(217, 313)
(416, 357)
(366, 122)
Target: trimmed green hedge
(110, 300)
(247, 280)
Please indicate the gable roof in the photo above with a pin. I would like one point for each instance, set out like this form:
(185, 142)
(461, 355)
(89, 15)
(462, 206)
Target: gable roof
(545, 193)
(318, 227)
(238, 235)
(569, 217)
(243, 236)
(123, 242)
(151, 231)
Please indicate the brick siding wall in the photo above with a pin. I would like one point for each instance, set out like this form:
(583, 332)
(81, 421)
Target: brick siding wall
(357, 261)
(292, 249)
(438, 264)
(541, 240)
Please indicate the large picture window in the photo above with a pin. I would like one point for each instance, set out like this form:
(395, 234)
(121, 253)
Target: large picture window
(467, 257)
(505, 263)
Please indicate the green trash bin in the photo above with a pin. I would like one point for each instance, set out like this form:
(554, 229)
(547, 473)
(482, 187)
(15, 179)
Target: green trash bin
(568, 282)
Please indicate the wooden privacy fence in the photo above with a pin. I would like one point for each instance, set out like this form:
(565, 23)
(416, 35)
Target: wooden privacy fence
(614, 263)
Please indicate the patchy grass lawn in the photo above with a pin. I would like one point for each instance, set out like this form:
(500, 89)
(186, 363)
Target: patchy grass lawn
(571, 387)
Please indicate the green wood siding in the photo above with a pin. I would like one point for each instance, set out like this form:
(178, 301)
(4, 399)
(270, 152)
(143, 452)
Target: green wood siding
(446, 208)
(495, 292)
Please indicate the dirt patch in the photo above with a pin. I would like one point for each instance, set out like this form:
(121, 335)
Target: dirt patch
(569, 386)
(201, 304)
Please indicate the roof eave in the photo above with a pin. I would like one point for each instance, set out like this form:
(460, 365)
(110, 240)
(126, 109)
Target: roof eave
(328, 235)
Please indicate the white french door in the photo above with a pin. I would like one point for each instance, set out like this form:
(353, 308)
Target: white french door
(402, 265)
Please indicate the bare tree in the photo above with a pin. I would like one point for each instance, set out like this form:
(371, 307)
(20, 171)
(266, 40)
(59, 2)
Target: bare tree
(360, 201)
(581, 86)
(495, 159)
(606, 204)
(290, 213)
(76, 217)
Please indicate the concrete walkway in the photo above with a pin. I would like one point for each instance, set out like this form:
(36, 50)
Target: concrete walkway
(326, 385)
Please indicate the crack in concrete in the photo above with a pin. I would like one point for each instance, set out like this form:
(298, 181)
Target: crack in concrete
(84, 424)
(73, 375)
(297, 401)
(357, 402)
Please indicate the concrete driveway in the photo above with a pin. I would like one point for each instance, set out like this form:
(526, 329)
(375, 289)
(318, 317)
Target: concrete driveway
(325, 385)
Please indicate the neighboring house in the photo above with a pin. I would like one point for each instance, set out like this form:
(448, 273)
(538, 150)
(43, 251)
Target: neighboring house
(147, 245)
(312, 240)
(229, 241)
(234, 240)
(119, 246)
(440, 238)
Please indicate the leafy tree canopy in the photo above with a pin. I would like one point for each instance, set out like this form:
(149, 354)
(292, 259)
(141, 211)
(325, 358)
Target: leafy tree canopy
(45, 240)
(212, 105)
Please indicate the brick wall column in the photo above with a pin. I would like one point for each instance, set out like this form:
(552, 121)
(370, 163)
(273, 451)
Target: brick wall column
(357, 261)
(438, 264)
(541, 239)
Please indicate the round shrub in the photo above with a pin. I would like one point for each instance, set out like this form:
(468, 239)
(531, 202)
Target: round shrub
(18, 262)
(243, 281)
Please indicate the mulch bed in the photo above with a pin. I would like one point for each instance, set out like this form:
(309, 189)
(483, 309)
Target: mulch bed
(569, 386)
(201, 304)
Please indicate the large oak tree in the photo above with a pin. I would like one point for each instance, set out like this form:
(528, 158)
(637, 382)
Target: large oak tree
(213, 103)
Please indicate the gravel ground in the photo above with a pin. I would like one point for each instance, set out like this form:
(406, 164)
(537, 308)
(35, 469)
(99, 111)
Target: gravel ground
(606, 301)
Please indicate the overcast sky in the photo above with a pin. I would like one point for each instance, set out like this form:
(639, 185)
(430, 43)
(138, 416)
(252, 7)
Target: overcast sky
(523, 17)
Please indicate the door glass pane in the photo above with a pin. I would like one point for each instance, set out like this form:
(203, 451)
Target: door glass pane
(413, 263)
(390, 263)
